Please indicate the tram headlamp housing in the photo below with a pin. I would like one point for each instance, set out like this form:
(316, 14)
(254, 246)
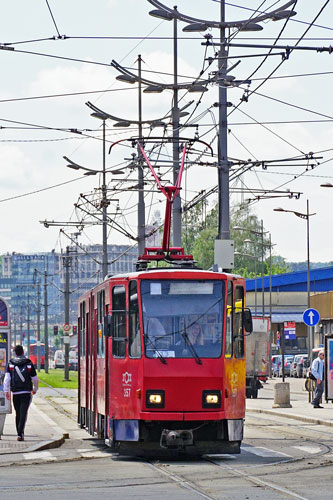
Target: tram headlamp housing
(211, 399)
(155, 398)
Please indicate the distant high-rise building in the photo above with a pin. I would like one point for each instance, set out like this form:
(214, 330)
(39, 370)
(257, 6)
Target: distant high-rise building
(20, 274)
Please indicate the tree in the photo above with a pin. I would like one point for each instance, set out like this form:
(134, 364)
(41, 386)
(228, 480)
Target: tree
(251, 244)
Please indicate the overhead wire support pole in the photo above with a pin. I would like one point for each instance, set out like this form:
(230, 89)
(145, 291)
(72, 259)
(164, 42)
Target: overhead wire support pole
(46, 325)
(38, 326)
(176, 207)
(104, 213)
(66, 263)
(141, 199)
(223, 165)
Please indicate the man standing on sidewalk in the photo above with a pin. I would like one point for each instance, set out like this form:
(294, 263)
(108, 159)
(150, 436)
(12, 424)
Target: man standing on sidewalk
(317, 370)
(21, 379)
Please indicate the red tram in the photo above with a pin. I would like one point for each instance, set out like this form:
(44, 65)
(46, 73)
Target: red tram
(33, 354)
(162, 354)
(145, 383)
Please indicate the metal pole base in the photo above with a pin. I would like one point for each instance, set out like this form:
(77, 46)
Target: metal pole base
(2, 423)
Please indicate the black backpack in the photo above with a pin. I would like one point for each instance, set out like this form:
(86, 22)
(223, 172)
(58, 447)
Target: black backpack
(20, 378)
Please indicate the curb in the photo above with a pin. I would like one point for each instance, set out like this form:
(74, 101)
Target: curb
(56, 442)
(308, 420)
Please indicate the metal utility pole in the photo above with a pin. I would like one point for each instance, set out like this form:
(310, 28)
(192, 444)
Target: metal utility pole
(223, 165)
(21, 324)
(28, 324)
(270, 307)
(176, 207)
(46, 326)
(104, 213)
(141, 200)
(67, 263)
(262, 270)
(38, 326)
(310, 328)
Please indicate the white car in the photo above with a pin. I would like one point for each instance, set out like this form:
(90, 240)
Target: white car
(59, 359)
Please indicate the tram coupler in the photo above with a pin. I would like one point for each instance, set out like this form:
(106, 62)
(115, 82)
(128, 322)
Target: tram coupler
(176, 438)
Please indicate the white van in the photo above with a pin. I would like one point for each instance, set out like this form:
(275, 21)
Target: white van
(59, 359)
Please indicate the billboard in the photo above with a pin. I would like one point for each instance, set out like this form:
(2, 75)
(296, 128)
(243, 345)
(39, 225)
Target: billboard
(3, 313)
(328, 370)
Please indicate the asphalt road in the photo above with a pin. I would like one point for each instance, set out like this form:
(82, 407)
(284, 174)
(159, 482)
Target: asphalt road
(281, 459)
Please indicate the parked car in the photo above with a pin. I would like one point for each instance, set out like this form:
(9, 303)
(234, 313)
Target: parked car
(59, 359)
(276, 361)
(302, 366)
(287, 363)
(73, 361)
(294, 364)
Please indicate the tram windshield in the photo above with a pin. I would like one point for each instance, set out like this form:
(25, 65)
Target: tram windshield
(182, 318)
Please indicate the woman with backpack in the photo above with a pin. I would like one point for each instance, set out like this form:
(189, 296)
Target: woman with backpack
(20, 379)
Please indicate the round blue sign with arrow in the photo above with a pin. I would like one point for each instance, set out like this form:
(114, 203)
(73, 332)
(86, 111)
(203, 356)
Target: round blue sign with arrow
(311, 317)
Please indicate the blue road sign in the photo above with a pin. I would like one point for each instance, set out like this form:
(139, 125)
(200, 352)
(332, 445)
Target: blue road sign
(311, 317)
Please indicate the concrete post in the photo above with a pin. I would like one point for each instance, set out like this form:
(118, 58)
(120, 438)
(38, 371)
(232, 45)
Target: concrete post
(282, 395)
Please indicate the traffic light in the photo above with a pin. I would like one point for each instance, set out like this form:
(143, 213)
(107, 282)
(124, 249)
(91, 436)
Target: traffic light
(74, 329)
(55, 330)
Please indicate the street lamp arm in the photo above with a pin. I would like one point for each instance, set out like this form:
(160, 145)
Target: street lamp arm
(135, 122)
(76, 166)
(298, 214)
(274, 14)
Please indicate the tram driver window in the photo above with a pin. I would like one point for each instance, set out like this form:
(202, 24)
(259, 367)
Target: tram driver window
(134, 346)
(119, 321)
(239, 327)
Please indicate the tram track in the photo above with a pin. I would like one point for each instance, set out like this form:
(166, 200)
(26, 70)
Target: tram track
(57, 406)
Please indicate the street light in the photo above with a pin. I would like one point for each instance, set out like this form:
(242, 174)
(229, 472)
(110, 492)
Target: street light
(194, 24)
(305, 216)
(261, 233)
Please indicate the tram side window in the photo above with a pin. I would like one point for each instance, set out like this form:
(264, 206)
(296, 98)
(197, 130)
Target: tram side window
(134, 345)
(100, 318)
(229, 324)
(239, 327)
(82, 329)
(119, 321)
(88, 344)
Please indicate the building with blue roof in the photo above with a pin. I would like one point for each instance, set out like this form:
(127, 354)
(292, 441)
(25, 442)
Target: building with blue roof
(284, 298)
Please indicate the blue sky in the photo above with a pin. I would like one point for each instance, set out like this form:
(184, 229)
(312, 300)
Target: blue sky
(31, 158)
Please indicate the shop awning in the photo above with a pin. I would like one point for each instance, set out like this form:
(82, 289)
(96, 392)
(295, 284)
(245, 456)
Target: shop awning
(287, 316)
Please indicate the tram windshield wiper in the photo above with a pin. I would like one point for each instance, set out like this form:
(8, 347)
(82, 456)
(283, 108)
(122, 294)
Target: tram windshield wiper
(160, 357)
(191, 346)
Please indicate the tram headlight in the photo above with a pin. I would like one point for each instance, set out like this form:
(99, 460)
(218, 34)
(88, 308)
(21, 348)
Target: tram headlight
(154, 398)
(211, 399)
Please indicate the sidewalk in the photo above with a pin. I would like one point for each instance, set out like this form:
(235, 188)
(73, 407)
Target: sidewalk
(41, 433)
(301, 409)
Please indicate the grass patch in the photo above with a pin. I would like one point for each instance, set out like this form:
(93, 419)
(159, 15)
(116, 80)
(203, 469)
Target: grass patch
(55, 378)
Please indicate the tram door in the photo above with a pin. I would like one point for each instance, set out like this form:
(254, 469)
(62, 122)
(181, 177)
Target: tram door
(126, 350)
(234, 348)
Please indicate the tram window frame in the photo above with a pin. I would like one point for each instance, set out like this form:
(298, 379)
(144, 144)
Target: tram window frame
(239, 347)
(134, 332)
(229, 327)
(88, 342)
(100, 324)
(119, 321)
(82, 329)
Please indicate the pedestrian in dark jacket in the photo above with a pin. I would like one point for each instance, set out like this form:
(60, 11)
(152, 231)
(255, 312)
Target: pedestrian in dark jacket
(20, 379)
(317, 370)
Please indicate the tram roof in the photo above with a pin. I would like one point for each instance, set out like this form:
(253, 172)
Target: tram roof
(166, 271)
